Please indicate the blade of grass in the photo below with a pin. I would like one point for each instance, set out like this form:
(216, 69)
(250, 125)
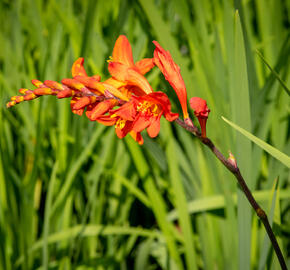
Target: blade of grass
(46, 225)
(157, 202)
(240, 99)
(211, 203)
(88, 27)
(283, 158)
(180, 201)
(274, 73)
(91, 231)
(75, 168)
(133, 189)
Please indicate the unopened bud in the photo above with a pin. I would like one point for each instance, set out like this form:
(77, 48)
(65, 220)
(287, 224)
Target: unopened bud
(188, 122)
(232, 160)
(201, 111)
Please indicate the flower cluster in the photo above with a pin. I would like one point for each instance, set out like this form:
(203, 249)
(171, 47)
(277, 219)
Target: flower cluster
(125, 100)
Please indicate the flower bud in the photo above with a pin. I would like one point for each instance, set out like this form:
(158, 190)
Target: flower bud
(201, 111)
(232, 160)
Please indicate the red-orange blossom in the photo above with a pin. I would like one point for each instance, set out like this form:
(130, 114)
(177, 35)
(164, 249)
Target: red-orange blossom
(126, 99)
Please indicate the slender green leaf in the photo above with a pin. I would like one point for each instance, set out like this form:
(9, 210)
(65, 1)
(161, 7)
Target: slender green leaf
(283, 158)
(274, 73)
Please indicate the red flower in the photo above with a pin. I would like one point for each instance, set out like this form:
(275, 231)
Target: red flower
(143, 112)
(201, 111)
(171, 72)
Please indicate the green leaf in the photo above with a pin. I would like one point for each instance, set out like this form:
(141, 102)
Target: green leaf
(240, 98)
(211, 203)
(157, 202)
(46, 225)
(283, 158)
(91, 230)
(274, 73)
(180, 202)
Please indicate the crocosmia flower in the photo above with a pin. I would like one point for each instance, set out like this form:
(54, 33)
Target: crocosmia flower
(144, 112)
(122, 67)
(126, 100)
(171, 72)
(201, 111)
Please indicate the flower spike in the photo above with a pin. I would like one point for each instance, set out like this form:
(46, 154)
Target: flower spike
(201, 111)
(171, 72)
(126, 100)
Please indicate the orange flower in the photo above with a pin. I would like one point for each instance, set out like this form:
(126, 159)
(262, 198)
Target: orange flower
(171, 72)
(122, 66)
(201, 111)
(126, 100)
(143, 112)
(122, 53)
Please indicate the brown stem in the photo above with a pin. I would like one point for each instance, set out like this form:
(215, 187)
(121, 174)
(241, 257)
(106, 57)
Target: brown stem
(236, 172)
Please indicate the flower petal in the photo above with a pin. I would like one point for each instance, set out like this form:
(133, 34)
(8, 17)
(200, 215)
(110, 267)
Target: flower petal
(106, 120)
(145, 65)
(154, 127)
(115, 92)
(123, 130)
(132, 77)
(122, 51)
(117, 84)
(101, 108)
(78, 68)
(199, 106)
(54, 85)
(141, 123)
(126, 111)
(171, 72)
(137, 137)
(84, 101)
(73, 101)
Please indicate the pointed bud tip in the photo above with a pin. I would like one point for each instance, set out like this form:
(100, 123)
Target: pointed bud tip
(188, 121)
(232, 160)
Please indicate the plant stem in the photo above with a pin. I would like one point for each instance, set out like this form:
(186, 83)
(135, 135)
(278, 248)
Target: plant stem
(236, 172)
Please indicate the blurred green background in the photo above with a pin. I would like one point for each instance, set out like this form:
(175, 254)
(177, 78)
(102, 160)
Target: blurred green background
(74, 196)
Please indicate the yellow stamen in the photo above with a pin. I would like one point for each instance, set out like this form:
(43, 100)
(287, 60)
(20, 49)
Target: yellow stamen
(120, 123)
(148, 108)
(110, 59)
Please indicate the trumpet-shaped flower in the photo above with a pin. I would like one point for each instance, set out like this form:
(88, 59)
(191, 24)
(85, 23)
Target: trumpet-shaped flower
(123, 68)
(143, 112)
(171, 72)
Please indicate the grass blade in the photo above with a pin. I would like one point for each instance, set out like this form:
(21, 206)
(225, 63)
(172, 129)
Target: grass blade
(240, 98)
(274, 73)
(283, 158)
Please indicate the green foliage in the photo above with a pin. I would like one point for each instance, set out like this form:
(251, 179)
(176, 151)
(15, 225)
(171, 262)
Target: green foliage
(72, 195)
